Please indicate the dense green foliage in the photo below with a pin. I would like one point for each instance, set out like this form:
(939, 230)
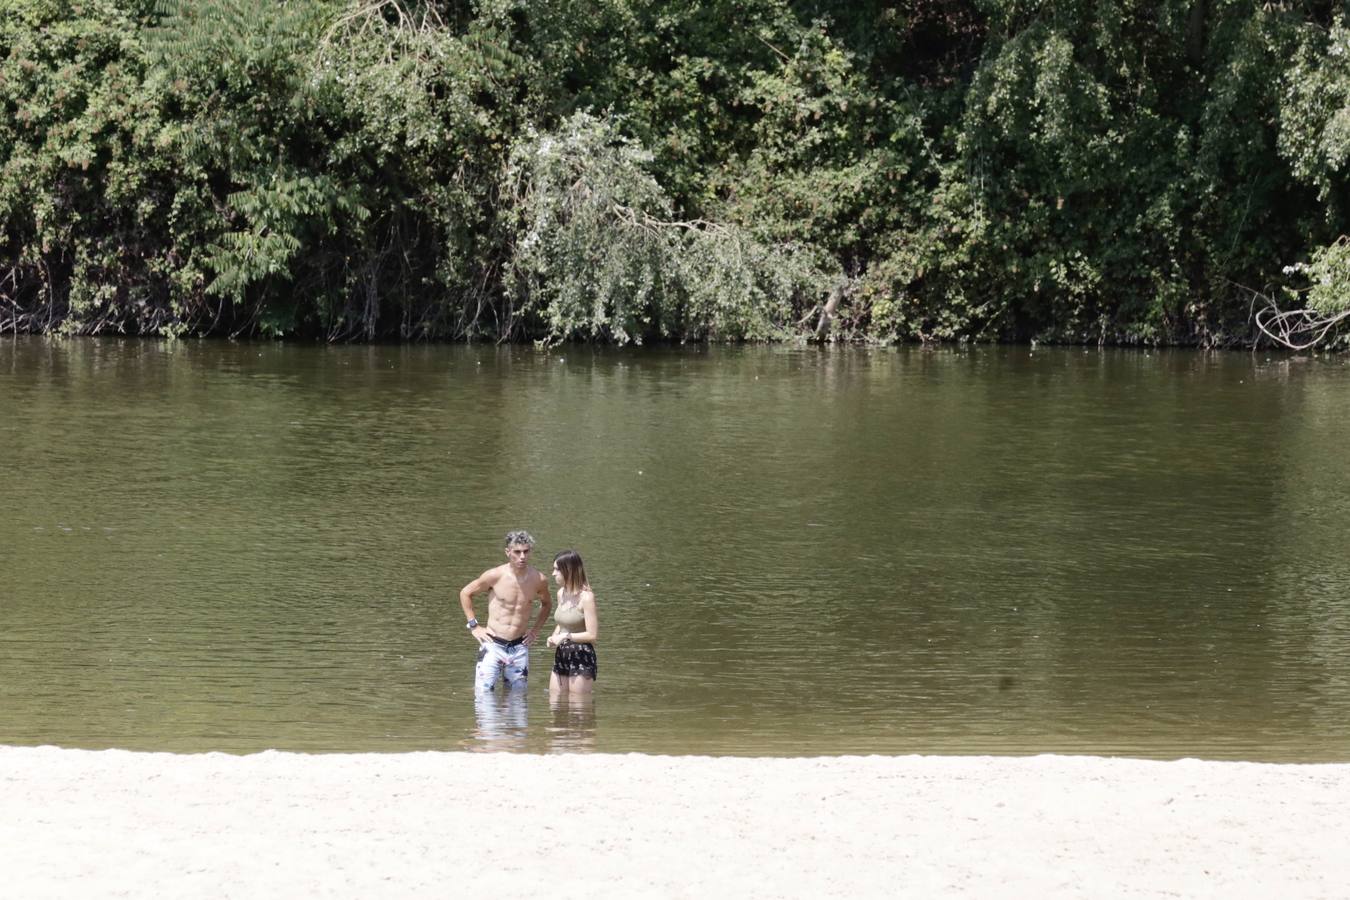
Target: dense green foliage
(628, 170)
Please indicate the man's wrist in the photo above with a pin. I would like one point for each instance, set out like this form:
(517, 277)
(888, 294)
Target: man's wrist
(471, 624)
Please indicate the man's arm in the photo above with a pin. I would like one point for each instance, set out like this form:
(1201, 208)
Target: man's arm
(545, 604)
(483, 582)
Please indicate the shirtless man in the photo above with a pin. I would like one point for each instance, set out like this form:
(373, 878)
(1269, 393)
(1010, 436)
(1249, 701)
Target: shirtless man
(505, 641)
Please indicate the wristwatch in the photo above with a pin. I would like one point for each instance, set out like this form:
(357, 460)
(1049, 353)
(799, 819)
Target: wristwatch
(471, 624)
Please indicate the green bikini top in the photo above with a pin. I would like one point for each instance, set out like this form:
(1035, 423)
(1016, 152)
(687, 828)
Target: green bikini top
(570, 616)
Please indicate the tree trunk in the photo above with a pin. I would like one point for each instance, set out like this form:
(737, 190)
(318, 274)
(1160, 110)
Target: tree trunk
(831, 304)
(1195, 33)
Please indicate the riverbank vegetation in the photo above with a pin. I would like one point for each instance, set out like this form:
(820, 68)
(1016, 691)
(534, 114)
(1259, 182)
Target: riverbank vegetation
(625, 170)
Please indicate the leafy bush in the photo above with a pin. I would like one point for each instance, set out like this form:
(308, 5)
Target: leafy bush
(597, 254)
(632, 170)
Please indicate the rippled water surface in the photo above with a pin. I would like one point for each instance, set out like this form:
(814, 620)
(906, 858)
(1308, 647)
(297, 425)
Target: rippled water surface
(222, 546)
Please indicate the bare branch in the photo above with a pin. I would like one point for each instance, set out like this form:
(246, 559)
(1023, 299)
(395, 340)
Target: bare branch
(781, 55)
(651, 223)
(1295, 329)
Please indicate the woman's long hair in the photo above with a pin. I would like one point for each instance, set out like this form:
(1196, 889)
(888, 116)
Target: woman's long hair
(573, 571)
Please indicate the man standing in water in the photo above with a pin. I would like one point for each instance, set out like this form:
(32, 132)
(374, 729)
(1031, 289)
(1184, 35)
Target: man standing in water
(504, 643)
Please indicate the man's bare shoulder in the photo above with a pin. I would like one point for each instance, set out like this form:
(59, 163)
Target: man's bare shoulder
(491, 576)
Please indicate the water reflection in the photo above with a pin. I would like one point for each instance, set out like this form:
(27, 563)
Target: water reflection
(502, 724)
(501, 721)
(573, 723)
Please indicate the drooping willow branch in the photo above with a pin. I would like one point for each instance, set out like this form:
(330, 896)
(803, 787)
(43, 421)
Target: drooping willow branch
(364, 16)
(370, 15)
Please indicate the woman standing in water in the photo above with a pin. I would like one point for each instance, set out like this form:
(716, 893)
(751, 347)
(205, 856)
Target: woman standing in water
(574, 663)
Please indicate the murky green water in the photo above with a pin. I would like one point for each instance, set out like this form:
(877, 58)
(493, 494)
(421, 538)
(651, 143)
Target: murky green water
(212, 546)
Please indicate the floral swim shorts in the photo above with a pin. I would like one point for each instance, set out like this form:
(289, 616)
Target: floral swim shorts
(496, 658)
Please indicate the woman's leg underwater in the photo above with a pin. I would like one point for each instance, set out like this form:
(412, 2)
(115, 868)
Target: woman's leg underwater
(580, 685)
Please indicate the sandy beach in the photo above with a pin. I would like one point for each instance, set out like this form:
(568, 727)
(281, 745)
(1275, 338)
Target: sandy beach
(120, 824)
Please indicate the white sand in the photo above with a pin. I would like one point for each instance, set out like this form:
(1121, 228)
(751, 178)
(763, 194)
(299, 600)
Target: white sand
(117, 824)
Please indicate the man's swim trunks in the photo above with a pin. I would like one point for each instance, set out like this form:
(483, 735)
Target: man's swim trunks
(497, 656)
(575, 659)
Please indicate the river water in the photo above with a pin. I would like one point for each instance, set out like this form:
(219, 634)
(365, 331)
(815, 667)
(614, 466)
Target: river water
(244, 546)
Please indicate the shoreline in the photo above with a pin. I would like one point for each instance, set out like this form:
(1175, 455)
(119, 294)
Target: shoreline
(83, 823)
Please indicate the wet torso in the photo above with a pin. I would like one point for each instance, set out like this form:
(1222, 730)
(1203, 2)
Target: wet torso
(510, 601)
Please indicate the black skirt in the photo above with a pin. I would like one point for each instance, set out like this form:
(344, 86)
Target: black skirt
(575, 659)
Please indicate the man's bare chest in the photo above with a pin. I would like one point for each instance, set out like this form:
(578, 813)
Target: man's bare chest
(512, 592)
